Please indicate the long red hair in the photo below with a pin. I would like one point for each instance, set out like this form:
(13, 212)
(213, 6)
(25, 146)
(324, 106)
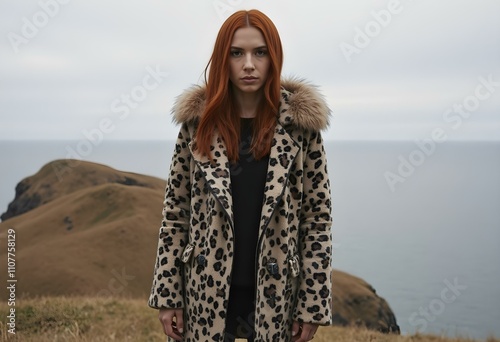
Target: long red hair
(221, 111)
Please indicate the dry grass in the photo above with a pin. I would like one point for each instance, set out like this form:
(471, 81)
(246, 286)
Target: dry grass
(83, 319)
(113, 319)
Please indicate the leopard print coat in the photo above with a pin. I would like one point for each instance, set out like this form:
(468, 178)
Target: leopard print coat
(195, 250)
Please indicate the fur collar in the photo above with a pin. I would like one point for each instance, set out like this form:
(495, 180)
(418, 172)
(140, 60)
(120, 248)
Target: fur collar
(302, 105)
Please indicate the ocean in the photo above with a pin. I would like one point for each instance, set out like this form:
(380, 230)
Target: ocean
(420, 223)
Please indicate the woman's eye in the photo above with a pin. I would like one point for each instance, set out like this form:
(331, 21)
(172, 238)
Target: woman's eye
(235, 53)
(261, 53)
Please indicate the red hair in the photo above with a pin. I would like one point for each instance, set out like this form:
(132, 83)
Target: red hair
(221, 111)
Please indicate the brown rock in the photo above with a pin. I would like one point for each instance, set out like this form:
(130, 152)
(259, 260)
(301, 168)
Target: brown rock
(356, 303)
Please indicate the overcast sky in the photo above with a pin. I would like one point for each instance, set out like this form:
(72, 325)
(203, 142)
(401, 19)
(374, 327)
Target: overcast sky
(388, 69)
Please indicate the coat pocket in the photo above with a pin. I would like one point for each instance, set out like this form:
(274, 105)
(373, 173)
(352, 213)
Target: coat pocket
(187, 253)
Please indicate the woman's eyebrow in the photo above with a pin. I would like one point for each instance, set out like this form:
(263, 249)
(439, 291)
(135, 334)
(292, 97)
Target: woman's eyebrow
(257, 48)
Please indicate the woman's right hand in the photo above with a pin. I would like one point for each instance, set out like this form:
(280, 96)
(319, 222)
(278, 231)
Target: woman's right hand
(172, 328)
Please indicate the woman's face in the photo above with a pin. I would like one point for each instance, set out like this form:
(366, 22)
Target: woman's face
(249, 60)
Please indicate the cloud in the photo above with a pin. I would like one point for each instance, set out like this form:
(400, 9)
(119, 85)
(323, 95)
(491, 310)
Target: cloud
(89, 53)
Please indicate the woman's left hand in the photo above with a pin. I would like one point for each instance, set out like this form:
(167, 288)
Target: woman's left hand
(303, 332)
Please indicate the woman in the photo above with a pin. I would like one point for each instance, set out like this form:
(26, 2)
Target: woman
(245, 245)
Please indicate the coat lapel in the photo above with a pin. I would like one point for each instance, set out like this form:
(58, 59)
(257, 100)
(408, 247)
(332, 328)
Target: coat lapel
(283, 152)
(217, 174)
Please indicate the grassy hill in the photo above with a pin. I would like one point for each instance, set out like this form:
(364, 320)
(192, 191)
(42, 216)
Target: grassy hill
(97, 225)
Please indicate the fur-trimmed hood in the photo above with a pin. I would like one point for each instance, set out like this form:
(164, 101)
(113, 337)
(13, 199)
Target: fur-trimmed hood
(305, 107)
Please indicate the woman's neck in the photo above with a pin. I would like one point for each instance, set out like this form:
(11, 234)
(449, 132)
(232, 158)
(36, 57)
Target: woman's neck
(248, 103)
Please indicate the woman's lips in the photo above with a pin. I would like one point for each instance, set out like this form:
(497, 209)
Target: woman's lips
(249, 79)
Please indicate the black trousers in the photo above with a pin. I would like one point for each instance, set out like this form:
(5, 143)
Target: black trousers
(240, 314)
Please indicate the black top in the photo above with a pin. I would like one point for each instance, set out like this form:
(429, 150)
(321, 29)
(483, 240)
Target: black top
(248, 178)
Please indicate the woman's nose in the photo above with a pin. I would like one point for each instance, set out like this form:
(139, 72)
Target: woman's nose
(249, 65)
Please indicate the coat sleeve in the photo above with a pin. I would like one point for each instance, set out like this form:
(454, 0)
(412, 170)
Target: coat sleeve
(314, 297)
(167, 289)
